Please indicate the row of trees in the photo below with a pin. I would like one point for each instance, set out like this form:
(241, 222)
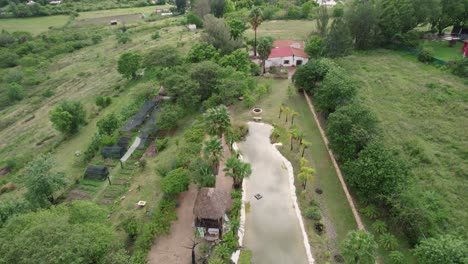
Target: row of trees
(375, 171)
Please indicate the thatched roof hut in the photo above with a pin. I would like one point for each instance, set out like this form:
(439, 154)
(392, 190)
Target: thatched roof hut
(211, 203)
(209, 210)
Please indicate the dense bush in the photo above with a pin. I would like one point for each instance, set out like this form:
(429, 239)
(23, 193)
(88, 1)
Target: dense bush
(202, 51)
(193, 18)
(108, 124)
(337, 89)
(309, 75)
(175, 182)
(460, 67)
(164, 56)
(349, 129)
(161, 144)
(443, 249)
(15, 92)
(103, 101)
(426, 55)
(313, 213)
(378, 174)
(68, 116)
(8, 58)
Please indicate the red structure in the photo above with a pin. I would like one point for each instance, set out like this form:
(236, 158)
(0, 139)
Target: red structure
(465, 48)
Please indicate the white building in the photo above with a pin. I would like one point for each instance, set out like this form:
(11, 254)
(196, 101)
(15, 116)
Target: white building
(287, 53)
(327, 2)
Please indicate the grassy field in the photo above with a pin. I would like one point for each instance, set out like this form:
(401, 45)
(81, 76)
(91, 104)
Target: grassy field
(35, 25)
(80, 76)
(337, 215)
(423, 113)
(284, 29)
(121, 11)
(443, 51)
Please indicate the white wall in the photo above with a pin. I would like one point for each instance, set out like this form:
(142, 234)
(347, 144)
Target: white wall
(280, 61)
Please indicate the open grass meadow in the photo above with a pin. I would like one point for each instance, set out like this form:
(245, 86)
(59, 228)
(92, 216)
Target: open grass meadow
(35, 25)
(284, 29)
(423, 114)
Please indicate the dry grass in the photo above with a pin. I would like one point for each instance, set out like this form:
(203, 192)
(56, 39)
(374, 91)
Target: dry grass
(284, 29)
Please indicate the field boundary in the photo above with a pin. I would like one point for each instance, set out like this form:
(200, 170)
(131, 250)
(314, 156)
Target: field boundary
(357, 217)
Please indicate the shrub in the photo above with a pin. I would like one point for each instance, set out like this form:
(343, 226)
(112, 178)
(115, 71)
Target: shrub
(396, 257)
(131, 226)
(239, 131)
(337, 89)
(388, 241)
(313, 213)
(460, 67)
(442, 249)
(103, 101)
(307, 76)
(370, 211)
(161, 144)
(15, 92)
(108, 140)
(155, 35)
(193, 18)
(426, 55)
(108, 124)
(8, 58)
(123, 38)
(379, 227)
(175, 182)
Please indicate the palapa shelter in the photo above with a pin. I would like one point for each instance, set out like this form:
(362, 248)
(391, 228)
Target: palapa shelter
(113, 152)
(209, 209)
(96, 173)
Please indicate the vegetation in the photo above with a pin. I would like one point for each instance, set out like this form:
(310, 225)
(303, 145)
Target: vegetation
(175, 182)
(446, 248)
(68, 116)
(128, 65)
(359, 247)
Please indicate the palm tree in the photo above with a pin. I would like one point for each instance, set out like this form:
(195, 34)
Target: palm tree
(304, 162)
(287, 110)
(217, 120)
(292, 136)
(293, 114)
(265, 46)
(300, 137)
(213, 151)
(281, 107)
(305, 176)
(305, 145)
(255, 19)
(238, 170)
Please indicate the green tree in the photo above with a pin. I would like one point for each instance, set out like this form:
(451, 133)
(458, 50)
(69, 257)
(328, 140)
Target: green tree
(217, 7)
(265, 45)
(238, 27)
(175, 182)
(193, 18)
(217, 33)
(213, 152)
(169, 117)
(379, 227)
(202, 51)
(337, 89)
(388, 241)
(207, 74)
(238, 59)
(203, 174)
(307, 76)
(396, 16)
(322, 20)
(123, 38)
(180, 5)
(15, 92)
(306, 175)
(8, 58)
(339, 42)
(255, 20)
(129, 63)
(42, 181)
(314, 46)
(108, 124)
(453, 12)
(396, 257)
(164, 56)
(442, 249)
(349, 129)
(377, 174)
(361, 18)
(238, 170)
(217, 120)
(68, 116)
(131, 226)
(50, 237)
(184, 90)
(359, 248)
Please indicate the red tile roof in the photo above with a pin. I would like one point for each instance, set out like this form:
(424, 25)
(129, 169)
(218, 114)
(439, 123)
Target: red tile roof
(287, 48)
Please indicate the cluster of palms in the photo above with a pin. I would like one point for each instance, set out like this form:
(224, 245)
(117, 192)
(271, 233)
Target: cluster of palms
(294, 133)
(306, 174)
(217, 123)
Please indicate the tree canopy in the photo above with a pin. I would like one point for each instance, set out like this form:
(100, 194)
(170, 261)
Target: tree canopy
(217, 120)
(217, 33)
(337, 89)
(129, 63)
(68, 116)
(202, 51)
(265, 45)
(175, 182)
(359, 248)
(443, 249)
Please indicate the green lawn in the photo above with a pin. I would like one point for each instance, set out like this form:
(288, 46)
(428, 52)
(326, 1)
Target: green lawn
(35, 25)
(121, 11)
(284, 29)
(443, 51)
(422, 112)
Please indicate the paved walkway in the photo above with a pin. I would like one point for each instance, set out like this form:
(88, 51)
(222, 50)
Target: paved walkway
(171, 248)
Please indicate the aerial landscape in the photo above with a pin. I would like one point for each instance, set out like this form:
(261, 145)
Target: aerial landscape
(233, 131)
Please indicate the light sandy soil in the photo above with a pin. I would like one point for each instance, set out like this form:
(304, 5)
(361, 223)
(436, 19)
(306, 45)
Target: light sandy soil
(171, 248)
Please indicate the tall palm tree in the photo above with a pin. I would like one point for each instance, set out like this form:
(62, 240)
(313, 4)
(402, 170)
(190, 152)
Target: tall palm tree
(213, 151)
(293, 114)
(217, 120)
(292, 135)
(281, 108)
(255, 19)
(305, 176)
(238, 170)
(287, 110)
(304, 162)
(300, 137)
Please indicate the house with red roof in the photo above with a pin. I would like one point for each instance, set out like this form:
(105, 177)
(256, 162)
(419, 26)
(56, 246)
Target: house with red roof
(287, 53)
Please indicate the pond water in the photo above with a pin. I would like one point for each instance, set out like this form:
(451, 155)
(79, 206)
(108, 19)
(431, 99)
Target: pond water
(272, 228)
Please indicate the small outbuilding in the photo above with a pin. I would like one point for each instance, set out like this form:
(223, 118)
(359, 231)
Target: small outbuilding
(96, 173)
(113, 152)
(113, 22)
(209, 209)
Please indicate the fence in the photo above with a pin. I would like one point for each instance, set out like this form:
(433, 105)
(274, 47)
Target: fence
(414, 51)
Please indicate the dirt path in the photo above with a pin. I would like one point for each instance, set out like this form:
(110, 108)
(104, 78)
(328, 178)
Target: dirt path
(335, 164)
(171, 248)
